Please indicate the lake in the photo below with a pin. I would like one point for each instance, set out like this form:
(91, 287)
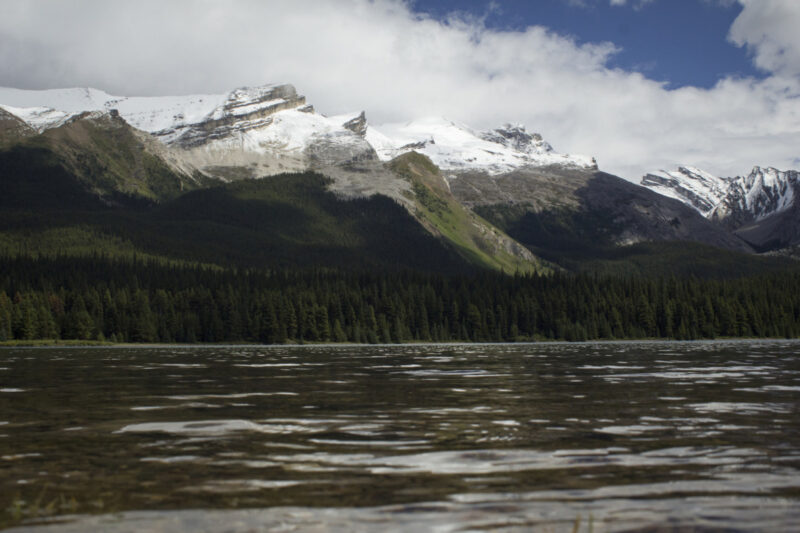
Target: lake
(544, 437)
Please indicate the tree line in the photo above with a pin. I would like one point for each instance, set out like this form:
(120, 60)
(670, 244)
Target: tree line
(129, 300)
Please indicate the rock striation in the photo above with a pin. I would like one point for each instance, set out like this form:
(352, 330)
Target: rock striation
(697, 188)
(733, 202)
(244, 110)
(762, 193)
(760, 207)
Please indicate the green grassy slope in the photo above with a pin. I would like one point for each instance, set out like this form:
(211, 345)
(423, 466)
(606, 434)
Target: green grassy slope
(282, 221)
(105, 155)
(473, 237)
(97, 185)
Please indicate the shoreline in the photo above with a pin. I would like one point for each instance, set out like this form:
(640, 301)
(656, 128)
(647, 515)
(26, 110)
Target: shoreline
(44, 343)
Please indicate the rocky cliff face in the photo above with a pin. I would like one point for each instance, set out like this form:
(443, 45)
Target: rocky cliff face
(762, 193)
(733, 202)
(760, 207)
(244, 110)
(694, 187)
(249, 132)
(357, 125)
(517, 138)
(593, 208)
(339, 148)
(262, 131)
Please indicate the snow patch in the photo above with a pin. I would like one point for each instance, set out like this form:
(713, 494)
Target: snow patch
(274, 120)
(39, 118)
(456, 147)
(762, 193)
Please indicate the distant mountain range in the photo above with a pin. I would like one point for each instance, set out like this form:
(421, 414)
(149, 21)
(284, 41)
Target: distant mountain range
(501, 199)
(272, 129)
(760, 207)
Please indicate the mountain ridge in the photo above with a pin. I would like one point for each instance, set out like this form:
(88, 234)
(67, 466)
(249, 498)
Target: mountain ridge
(119, 165)
(276, 119)
(761, 206)
(498, 197)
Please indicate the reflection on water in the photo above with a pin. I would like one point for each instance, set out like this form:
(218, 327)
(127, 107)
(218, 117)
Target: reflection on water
(602, 437)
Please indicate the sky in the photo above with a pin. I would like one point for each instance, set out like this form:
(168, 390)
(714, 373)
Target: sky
(642, 85)
(679, 42)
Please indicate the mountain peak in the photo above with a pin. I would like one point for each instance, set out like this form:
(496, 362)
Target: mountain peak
(274, 122)
(455, 147)
(246, 101)
(516, 136)
(691, 185)
(735, 201)
(357, 125)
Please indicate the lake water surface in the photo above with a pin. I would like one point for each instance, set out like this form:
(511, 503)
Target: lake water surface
(549, 437)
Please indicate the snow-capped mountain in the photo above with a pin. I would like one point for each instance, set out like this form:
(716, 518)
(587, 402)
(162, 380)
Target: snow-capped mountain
(165, 146)
(260, 119)
(455, 147)
(247, 133)
(271, 129)
(171, 118)
(734, 202)
(762, 193)
(117, 149)
(697, 188)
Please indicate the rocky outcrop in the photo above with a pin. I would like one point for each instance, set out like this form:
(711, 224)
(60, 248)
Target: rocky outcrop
(761, 207)
(339, 148)
(517, 138)
(733, 202)
(420, 145)
(246, 109)
(357, 125)
(694, 187)
(763, 193)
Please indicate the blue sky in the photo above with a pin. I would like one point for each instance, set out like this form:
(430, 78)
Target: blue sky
(681, 42)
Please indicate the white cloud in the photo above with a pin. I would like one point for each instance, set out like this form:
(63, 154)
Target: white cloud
(376, 55)
(769, 29)
(637, 4)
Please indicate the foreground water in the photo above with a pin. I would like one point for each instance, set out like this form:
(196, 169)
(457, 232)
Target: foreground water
(557, 437)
